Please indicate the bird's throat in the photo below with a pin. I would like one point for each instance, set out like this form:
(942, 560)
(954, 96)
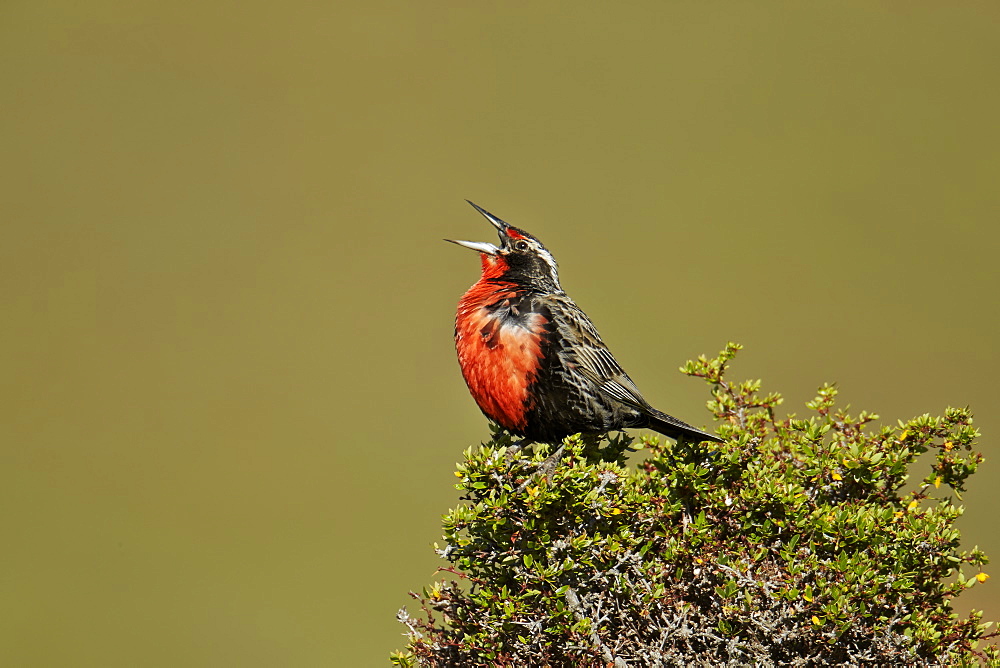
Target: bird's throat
(494, 266)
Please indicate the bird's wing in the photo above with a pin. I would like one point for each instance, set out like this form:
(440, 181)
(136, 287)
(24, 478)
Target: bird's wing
(590, 357)
(598, 366)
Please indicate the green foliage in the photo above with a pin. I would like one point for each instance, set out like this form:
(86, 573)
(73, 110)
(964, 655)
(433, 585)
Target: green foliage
(794, 542)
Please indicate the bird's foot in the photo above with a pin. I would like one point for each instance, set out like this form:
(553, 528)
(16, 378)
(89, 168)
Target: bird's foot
(515, 448)
(545, 469)
(548, 467)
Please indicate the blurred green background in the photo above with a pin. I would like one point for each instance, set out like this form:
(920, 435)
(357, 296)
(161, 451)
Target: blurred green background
(230, 405)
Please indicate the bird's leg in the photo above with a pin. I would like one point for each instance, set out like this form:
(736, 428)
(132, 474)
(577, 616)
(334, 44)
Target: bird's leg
(514, 448)
(546, 468)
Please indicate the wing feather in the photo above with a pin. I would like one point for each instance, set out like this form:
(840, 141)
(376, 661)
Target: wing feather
(594, 361)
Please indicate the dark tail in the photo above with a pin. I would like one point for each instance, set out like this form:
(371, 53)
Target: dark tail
(675, 429)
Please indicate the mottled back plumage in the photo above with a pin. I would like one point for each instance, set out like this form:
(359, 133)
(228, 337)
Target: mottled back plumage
(533, 360)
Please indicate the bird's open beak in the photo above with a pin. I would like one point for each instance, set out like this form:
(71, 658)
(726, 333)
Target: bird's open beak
(482, 246)
(497, 223)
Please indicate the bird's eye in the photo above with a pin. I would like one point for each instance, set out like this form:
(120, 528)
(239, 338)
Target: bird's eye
(521, 245)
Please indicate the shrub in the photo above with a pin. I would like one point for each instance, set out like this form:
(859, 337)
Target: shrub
(792, 543)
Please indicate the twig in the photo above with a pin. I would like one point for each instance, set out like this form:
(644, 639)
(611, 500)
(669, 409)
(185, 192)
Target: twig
(574, 604)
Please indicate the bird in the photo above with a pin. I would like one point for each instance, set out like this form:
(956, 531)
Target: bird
(532, 359)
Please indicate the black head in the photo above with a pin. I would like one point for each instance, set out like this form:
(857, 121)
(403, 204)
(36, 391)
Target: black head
(520, 257)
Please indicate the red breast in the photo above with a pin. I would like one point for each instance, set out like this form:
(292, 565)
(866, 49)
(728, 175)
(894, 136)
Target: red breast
(499, 355)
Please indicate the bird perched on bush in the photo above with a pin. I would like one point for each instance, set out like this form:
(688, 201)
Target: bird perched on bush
(533, 360)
